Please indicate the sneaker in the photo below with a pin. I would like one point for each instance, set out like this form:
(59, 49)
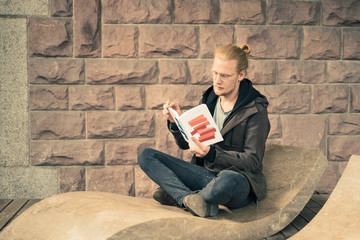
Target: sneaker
(163, 197)
(197, 205)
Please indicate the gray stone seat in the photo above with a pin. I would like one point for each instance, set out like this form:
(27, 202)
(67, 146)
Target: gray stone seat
(292, 174)
(339, 218)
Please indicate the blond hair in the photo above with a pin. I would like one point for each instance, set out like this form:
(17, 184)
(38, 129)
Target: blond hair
(234, 52)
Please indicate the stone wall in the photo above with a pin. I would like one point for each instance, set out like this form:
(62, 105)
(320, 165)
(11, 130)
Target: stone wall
(83, 82)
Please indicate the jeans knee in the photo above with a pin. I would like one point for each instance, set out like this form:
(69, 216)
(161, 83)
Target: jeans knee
(144, 155)
(232, 180)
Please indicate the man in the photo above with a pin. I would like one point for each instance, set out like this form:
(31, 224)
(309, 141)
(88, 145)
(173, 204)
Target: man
(229, 172)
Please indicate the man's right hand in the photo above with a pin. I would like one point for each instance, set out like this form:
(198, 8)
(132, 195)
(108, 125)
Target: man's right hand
(166, 112)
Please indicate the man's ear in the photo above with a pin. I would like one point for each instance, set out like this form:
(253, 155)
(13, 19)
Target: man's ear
(241, 75)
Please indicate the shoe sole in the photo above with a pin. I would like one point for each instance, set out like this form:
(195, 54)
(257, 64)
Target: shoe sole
(199, 207)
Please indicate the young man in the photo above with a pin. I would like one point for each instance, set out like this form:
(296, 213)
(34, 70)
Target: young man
(229, 172)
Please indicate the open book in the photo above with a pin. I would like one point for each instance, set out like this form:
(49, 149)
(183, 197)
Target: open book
(197, 122)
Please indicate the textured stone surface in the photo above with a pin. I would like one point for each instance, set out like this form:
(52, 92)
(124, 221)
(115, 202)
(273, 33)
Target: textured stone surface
(196, 11)
(130, 97)
(344, 72)
(283, 101)
(138, 11)
(125, 152)
(340, 148)
(199, 71)
(144, 186)
(14, 114)
(284, 41)
(355, 99)
(57, 125)
(56, 71)
(351, 43)
(92, 97)
(173, 72)
(61, 8)
(49, 98)
(120, 124)
(262, 72)
(341, 12)
(321, 43)
(275, 123)
(115, 179)
(20, 7)
(242, 12)
(28, 183)
(294, 12)
(168, 41)
(65, 153)
(330, 99)
(311, 72)
(344, 125)
(72, 179)
(121, 71)
(212, 37)
(87, 19)
(50, 37)
(340, 213)
(292, 175)
(120, 41)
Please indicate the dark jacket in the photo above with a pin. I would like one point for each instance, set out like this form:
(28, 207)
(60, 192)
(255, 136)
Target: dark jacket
(245, 132)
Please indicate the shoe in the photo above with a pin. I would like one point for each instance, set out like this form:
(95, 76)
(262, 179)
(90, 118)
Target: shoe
(197, 205)
(163, 197)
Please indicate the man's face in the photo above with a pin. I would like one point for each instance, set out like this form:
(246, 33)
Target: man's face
(225, 78)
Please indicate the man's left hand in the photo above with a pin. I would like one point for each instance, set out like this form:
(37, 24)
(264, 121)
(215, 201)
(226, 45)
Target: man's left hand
(201, 150)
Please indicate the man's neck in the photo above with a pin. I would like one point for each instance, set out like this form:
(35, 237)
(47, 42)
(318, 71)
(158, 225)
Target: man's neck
(228, 102)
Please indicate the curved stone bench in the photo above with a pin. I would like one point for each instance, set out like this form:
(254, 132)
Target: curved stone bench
(339, 218)
(292, 175)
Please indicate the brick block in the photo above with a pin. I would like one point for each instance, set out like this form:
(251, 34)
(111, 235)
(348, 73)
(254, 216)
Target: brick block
(308, 131)
(275, 130)
(330, 99)
(120, 71)
(355, 98)
(87, 18)
(112, 179)
(344, 124)
(57, 125)
(343, 71)
(92, 97)
(56, 71)
(309, 72)
(130, 97)
(283, 100)
(212, 37)
(340, 148)
(190, 95)
(48, 98)
(196, 11)
(144, 186)
(50, 37)
(120, 41)
(173, 72)
(351, 43)
(168, 41)
(336, 12)
(120, 124)
(329, 178)
(321, 43)
(144, 11)
(125, 152)
(66, 153)
(262, 72)
(294, 12)
(165, 141)
(242, 12)
(200, 71)
(72, 179)
(61, 8)
(284, 41)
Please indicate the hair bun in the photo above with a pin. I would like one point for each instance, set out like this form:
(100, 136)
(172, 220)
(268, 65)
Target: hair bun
(246, 48)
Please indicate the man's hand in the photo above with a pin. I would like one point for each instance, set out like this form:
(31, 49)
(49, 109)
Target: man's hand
(201, 150)
(166, 112)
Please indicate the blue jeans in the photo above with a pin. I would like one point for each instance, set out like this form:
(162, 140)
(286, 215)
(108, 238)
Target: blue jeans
(180, 178)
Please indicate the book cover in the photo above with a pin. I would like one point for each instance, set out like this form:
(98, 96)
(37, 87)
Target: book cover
(197, 122)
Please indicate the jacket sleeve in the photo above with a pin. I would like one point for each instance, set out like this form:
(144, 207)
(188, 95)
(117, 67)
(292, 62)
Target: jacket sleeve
(179, 139)
(250, 158)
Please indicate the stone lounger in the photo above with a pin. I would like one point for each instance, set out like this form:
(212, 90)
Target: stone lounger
(292, 174)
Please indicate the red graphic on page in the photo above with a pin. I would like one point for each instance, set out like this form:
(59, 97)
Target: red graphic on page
(200, 126)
